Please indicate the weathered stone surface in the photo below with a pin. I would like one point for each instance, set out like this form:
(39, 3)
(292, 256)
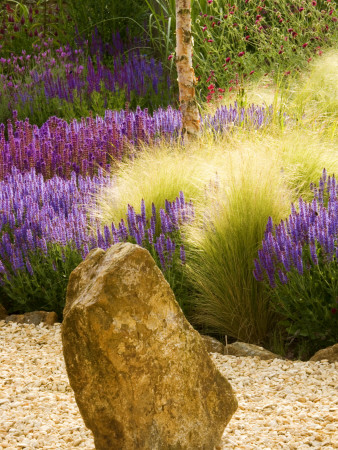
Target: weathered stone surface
(212, 344)
(35, 317)
(329, 353)
(243, 349)
(3, 312)
(141, 374)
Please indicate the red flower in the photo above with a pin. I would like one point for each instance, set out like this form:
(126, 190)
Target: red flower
(228, 59)
(210, 1)
(251, 72)
(170, 57)
(211, 86)
(247, 38)
(210, 40)
(305, 45)
(287, 73)
(204, 28)
(221, 90)
(314, 3)
(301, 9)
(241, 54)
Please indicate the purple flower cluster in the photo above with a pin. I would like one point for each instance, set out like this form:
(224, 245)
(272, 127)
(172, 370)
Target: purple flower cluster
(253, 116)
(143, 230)
(35, 213)
(82, 146)
(314, 227)
(60, 148)
(64, 73)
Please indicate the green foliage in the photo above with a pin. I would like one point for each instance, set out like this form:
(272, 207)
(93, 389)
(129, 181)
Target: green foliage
(308, 307)
(161, 26)
(235, 41)
(24, 26)
(46, 288)
(243, 38)
(39, 108)
(108, 16)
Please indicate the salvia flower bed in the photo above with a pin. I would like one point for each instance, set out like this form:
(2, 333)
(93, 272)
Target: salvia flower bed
(46, 230)
(59, 147)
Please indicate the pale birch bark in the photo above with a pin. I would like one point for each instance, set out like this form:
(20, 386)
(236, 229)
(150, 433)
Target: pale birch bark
(186, 76)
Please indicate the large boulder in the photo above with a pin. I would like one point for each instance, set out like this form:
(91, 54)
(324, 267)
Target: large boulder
(244, 349)
(141, 375)
(329, 353)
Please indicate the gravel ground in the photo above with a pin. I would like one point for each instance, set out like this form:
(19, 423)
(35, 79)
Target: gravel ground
(282, 404)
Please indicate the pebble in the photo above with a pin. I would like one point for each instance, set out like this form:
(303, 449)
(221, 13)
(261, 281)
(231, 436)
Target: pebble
(282, 404)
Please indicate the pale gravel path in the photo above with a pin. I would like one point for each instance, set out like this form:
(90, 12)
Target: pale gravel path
(282, 404)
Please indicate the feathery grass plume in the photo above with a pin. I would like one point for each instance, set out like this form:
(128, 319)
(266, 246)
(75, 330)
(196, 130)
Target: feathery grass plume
(158, 173)
(221, 247)
(315, 98)
(301, 155)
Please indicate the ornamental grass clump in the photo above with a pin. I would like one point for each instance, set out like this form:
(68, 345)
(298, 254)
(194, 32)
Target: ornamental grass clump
(315, 100)
(298, 263)
(221, 245)
(46, 231)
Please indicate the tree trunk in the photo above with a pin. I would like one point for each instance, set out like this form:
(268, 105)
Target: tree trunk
(185, 71)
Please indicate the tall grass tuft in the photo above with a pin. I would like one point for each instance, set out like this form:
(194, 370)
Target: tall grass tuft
(159, 172)
(315, 98)
(302, 155)
(222, 245)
